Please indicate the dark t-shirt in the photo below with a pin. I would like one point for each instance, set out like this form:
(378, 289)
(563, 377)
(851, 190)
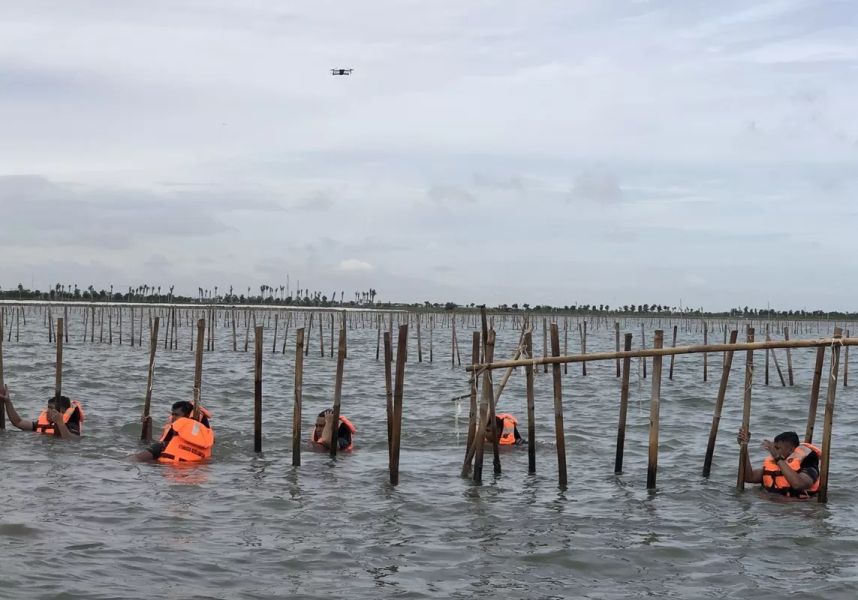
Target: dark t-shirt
(158, 447)
(810, 467)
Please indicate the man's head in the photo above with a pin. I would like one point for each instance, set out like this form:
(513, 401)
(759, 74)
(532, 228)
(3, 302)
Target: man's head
(320, 420)
(786, 442)
(183, 408)
(489, 436)
(65, 403)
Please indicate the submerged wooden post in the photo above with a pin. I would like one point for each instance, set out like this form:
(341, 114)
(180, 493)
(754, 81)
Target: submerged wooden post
(388, 391)
(617, 340)
(257, 391)
(399, 382)
(198, 367)
(746, 408)
(624, 406)
(584, 348)
(472, 412)
(338, 389)
(672, 356)
(558, 411)
(845, 363)
(814, 394)
(146, 432)
(531, 418)
(654, 407)
(58, 391)
(485, 420)
(643, 347)
(825, 461)
(705, 354)
(544, 343)
(719, 405)
(419, 342)
(299, 396)
(2, 379)
(789, 358)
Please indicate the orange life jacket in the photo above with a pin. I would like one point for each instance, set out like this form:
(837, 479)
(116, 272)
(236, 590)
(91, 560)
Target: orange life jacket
(46, 427)
(314, 438)
(507, 434)
(191, 441)
(773, 479)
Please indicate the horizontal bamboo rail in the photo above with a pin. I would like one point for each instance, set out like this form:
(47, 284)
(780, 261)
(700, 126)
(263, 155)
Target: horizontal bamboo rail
(550, 360)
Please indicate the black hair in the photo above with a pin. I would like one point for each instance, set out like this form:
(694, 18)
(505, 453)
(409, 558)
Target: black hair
(185, 406)
(65, 402)
(790, 437)
(328, 411)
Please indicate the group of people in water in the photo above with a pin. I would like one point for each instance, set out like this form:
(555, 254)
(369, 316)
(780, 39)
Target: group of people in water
(791, 469)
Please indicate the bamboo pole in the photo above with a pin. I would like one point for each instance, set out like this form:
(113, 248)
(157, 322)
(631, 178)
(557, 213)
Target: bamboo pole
(624, 405)
(643, 347)
(146, 431)
(399, 382)
(419, 342)
(58, 388)
(508, 372)
(322, 337)
(617, 340)
(338, 388)
(719, 405)
(667, 352)
(705, 354)
(845, 364)
(198, 368)
(257, 391)
(274, 338)
(746, 408)
(531, 418)
(777, 364)
(566, 342)
(299, 392)
(545, 343)
(672, 356)
(388, 390)
(825, 461)
(431, 337)
(2, 378)
(814, 394)
(789, 358)
(66, 329)
(377, 350)
(558, 411)
(470, 447)
(485, 420)
(654, 408)
(584, 348)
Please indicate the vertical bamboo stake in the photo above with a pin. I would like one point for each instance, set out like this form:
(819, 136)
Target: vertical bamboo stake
(322, 337)
(777, 365)
(257, 392)
(643, 347)
(66, 330)
(307, 345)
(584, 348)
(247, 330)
(558, 410)
(472, 414)
(388, 391)
(624, 405)
(132, 326)
(654, 408)
(531, 417)
(338, 388)
(101, 325)
(719, 405)
(332, 335)
(419, 342)
(705, 354)
(198, 368)
(299, 390)
(274, 339)
(673, 356)
(235, 340)
(814, 394)
(146, 431)
(431, 336)
(828, 422)
(789, 358)
(377, 350)
(565, 343)
(845, 364)
(140, 331)
(617, 340)
(58, 388)
(746, 409)
(485, 416)
(492, 413)
(399, 383)
(2, 379)
(545, 343)
(452, 341)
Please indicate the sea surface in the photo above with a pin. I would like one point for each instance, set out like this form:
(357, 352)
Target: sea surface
(78, 522)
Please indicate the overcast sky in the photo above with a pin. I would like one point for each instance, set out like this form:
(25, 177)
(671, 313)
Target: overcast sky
(551, 151)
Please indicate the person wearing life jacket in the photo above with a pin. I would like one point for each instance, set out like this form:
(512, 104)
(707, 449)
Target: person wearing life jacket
(507, 427)
(323, 430)
(185, 439)
(63, 421)
(792, 469)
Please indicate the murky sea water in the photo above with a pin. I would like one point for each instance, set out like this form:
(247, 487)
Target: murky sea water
(77, 522)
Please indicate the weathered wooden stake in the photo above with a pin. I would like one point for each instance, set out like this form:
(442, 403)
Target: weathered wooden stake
(558, 411)
(719, 405)
(673, 356)
(388, 391)
(257, 391)
(814, 394)
(399, 382)
(654, 408)
(617, 340)
(299, 394)
(472, 413)
(624, 404)
(146, 432)
(2, 379)
(825, 461)
(531, 417)
(58, 391)
(746, 408)
(198, 367)
(338, 389)
(789, 358)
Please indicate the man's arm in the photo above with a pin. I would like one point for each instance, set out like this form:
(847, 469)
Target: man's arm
(797, 480)
(149, 454)
(16, 421)
(56, 418)
(752, 475)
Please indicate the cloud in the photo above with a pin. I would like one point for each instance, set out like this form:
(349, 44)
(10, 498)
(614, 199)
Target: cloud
(597, 185)
(450, 195)
(318, 202)
(355, 265)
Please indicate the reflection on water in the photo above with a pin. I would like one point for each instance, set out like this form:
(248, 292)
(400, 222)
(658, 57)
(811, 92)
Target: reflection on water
(248, 526)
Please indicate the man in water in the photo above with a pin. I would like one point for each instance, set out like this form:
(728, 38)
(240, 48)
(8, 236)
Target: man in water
(184, 439)
(792, 469)
(65, 424)
(324, 429)
(507, 427)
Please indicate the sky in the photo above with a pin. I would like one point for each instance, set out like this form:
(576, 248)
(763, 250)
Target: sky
(488, 151)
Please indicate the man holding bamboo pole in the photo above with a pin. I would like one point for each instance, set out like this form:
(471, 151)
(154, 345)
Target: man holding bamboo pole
(185, 438)
(65, 424)
(323, 431)
(792, 469)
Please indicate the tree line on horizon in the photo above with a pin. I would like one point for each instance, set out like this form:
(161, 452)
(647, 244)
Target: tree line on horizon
(281, 295)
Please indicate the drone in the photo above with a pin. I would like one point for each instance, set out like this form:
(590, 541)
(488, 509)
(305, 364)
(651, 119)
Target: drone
(341, 71)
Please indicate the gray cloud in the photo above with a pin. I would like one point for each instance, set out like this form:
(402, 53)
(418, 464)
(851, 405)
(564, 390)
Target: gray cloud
(498, 183)
(318, 202)
(597, 185)
(450, 195)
